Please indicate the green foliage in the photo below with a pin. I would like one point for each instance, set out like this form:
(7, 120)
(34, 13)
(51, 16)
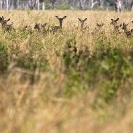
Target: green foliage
(109, 67)
(115, 69)
(27, 61)
(48, 6)
(70, 56)
(73, 84)
(64, 7)
(3, 56)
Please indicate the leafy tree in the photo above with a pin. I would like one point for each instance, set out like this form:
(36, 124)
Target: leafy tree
(52, 2)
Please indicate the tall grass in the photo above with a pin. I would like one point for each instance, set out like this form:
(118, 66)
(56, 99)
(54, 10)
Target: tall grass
(70, 81)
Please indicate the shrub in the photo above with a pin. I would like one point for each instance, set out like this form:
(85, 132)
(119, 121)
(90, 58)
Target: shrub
(108, 68)
(64, 7)
(3, 57)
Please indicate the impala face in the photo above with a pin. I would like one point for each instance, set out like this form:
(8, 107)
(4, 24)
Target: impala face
(114, 22)
(60, 20)
(82, 22)
(5, 26)
(124, 26)
(3, 22)
(37, 26)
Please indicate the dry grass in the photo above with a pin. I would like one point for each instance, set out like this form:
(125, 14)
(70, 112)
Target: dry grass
(34, 101)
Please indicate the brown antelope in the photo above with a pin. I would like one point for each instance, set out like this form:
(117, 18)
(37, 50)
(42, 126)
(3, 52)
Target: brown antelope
(100, 25)
(129, 33)
(44, 27)
(116, 27)
(56, 28)
(3, 22)
(98, 29)
(82, 23)
(114, 21)
(41, 27)
(124, 27)
(9, 27)
(5, 26)
(37, 26)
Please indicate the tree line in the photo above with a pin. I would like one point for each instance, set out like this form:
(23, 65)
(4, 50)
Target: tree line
(117, 5)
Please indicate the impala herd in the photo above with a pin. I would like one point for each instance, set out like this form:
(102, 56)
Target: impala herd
(117, 28)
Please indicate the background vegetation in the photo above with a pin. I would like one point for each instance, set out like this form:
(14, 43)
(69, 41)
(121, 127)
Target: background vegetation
(72, 81)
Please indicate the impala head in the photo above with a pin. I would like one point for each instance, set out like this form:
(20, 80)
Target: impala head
(44, 25)
(124, 26)
(114, 21)
(3, 22)
(37, 26)
(61, 20)
(5, 26)
(82, 22)
(1, 19)
(129, 33)
(100, 25)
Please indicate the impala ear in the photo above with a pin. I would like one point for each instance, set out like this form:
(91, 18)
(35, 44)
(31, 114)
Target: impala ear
(98, 24)
(117, 19)
(85, 19)
(131, 30)
(125, 24)
(64, 17)
(57, 17)
(8, 19)
(79, 19)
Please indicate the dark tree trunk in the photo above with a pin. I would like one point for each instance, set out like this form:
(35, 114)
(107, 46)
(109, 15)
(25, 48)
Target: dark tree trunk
(101, 3)
(81, 6)
(53, 3)
(33, 4)
(118, 6)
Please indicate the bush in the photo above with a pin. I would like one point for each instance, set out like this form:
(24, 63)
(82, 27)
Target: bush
(48, 7)
(3, 57)
(64, 7)
(109, 68)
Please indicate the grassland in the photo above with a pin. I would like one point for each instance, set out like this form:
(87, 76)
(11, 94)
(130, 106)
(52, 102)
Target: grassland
(67, 82)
